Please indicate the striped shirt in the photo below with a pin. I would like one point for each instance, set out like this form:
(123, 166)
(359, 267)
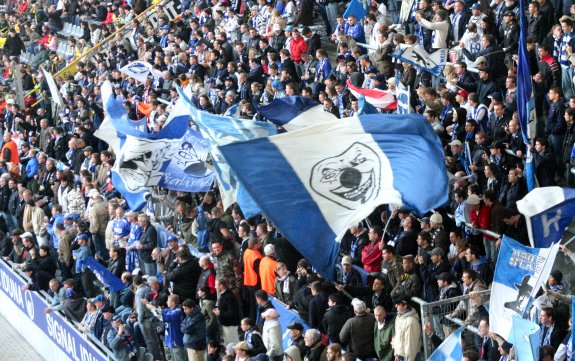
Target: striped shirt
(565, 41)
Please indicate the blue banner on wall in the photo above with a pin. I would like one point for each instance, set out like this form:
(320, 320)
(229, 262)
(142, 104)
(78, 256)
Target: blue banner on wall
(64, 335)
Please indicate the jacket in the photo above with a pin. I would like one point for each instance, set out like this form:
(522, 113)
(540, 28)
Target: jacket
(392, 271)
(555, 123)
(172, 318)
(193, 328)
(429, 276)
(272, 337)
(358, 333)
(471, 308)
(229, 309)
(285, 293)
(212, 324)
(149, 241)
(382, 339)
(409, 285)
(98, 217)
(333, 321)
(268, 274)
(185, 278)
(407, 341)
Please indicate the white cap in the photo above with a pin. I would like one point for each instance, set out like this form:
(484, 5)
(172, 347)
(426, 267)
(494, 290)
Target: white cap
(277, 27)
(93, 193)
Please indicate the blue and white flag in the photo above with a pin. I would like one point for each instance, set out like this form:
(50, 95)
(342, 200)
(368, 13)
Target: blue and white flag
(519, 274)
(187, 172)
(364, 107)
(548, 211)
(403, 99)
(451, 349)
(525, 339)
(221, 130)
(417, 56)
(295, 112)
(355, 8)
(335, 174)
(142, 157)
(108, 279)
(140, 70)
(572, 338)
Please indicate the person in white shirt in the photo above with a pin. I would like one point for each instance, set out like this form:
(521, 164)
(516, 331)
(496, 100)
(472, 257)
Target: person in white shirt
(440, 27)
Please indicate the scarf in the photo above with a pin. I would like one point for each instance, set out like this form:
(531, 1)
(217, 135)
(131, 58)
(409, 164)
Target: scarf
(284, 281)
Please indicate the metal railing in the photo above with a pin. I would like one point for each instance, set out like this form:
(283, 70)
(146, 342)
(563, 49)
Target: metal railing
(437, 314)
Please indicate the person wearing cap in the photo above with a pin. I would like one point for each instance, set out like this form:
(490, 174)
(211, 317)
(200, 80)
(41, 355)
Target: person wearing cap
(430, 273)
(194, 331)
(267, 269)
(296, 337)
(105, 313)
(407, 340)
(120, 340)
(97, 215)
(409, 284)
(272, 335)
(83, 253)
(458, 153)
(347, 277)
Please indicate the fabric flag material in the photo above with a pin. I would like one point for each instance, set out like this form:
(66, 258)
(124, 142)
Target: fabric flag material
(287, 317)
(519, 274)
(548, 211)
(142, 157)
(364, 107)
(525, 100)
(218, 131)
(417, 56)
(140, 70)
(525, 339)
(333, 175)
(355, 8)
(377, 98)
(187, 172)
(572, 333)
(295, 112)
(451, 349)
(56, 96)
(403, 99)
(103, 275)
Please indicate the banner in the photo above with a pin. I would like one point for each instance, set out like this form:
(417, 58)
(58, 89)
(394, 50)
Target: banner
(140, 70)
(451, 349)
(70, 343)
(403, 99)
(56, 96)
(519, 274)
(187, 172)
(525, 339)
(108, 279)
(417, 56)
(287, 317)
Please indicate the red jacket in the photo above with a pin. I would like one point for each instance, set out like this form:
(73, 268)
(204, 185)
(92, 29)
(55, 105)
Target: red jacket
(371, 257)
(481, 218)
(297, 47)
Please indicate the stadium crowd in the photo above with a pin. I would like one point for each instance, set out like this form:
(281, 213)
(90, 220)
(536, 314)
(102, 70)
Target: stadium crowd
(59, 205)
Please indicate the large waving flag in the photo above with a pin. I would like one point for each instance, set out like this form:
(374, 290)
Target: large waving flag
(525, 100)
(417, 56)
(525, 339)
(108, 279)
(548, 211)
(295, 112)
(221, 130)
(364, 107)
(330, 176)
(142, 157)
(377, 98)
(355, 8)
(519, 274)
(56, 96)
(451, 349)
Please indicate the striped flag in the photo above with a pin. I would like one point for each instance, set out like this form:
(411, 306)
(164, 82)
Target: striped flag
(377, 98)
(451, 349)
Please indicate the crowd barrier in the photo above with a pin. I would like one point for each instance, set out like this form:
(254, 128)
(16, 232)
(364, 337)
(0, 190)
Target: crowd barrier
(50, 334)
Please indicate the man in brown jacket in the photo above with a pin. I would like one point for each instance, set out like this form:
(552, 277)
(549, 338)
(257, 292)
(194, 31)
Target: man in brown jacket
(98, 218)
(65, 260)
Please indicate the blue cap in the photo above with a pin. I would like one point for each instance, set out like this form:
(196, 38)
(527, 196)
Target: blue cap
(99, 298)
(68, 217)
(165, 27)
(476, 6)
(83, 236)
(211, 80)
(136, 97)
(172, 238)
(288, 28)
(277, 84)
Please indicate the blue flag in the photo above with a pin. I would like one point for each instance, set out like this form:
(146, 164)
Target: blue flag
(519, 274)
(220, 130)
(103, 275)
(451, 349)
(525, 101)
(187, 171)
(403, 99)
(333, 175)
(417, 56)
(525, 339)
(572, 333)
(142, 157)
(295, 112)
(354, 8)
(287, 317)
(548, 211)
(364, 107)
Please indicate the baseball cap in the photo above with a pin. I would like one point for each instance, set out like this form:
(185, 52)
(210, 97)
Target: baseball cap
(479, 60)
(436, 218)
(296, 326)
(93, 193)
(27, 235)
(99, 298)
(346, 260)
(165, 27)
(172, 238)
(456, 142)
(476, 6)
(444, 276)
(88, 149)
(271, 312)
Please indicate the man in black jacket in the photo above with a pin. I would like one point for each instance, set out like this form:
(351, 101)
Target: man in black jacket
(335, 317)
(228, 311)
(184, 274)
(148, 241)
